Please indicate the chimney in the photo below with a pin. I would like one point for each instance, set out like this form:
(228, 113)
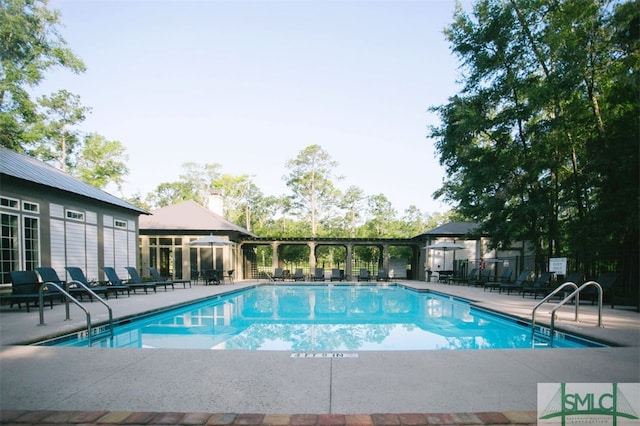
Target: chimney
(215, 203)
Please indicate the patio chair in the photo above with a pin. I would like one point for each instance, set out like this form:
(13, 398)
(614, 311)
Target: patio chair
(160, 279)
(211, 276)
(105, 288)
(364, 275)
(229, 276)
(383, 275)
(319, 274)
(335, 275)
(25, 289)
(49, 275)
(539, 286)
(517, 284)
(114, 279)
(298, 275)
(505, 277)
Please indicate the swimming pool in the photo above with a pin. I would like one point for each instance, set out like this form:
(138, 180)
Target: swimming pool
(335, 317)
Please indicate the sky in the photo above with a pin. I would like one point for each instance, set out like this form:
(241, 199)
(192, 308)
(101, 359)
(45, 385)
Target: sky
(250, 84)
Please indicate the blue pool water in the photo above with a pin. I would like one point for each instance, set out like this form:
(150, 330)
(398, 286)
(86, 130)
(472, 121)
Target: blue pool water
(323, 318)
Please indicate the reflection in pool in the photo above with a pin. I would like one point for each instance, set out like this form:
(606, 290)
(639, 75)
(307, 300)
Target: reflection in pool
(323, 318)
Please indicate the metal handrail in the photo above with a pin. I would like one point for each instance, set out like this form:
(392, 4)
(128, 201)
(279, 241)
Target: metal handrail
(68, 297)
(576, 293)
(547, 297)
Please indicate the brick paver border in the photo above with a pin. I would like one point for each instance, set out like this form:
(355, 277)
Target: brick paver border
(106, 418)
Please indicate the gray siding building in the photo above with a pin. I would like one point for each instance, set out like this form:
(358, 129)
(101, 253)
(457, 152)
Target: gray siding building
(49, 218)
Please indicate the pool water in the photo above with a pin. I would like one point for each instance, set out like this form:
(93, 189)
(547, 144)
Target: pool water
(323, 318)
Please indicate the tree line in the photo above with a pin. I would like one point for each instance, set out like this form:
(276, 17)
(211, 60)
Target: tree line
(314, 207)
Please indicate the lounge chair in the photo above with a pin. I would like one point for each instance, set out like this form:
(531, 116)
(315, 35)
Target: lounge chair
(319, 274)
(278, 275)
(298, 275)
(607, 281)
(383, 275)
(25, 289)
(136, 279)
(517, 284)
(364, 275)
(505, 277)
(49, 275)
(481, 279)
(335, 275)
(572, 277)
(105, 288)
(473, 275)
(114, 279)
(158, 278)
(539, 286)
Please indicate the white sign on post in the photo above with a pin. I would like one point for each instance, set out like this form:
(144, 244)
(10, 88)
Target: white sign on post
(558, 265)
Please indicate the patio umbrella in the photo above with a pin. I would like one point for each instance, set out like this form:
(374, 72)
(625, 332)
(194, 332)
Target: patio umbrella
(445, 246)
(211, 240)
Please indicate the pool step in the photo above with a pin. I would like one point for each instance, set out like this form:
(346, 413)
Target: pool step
(541, 340)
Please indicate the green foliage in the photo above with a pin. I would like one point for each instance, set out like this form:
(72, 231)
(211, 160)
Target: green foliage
(540, 144)
(352, 204)
(30, 45)
(57, 129)
(310, 181)
(381, 214)
(167, 194)
(101, 162)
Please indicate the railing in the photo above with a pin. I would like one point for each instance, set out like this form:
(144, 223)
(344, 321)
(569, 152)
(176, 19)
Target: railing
(69, 297)
(549, 296)
(576, 294)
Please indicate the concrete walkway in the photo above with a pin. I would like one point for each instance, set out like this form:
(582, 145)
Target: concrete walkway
(196, 386)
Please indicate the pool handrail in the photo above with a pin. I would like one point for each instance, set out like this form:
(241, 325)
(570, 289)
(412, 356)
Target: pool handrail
(576, 293)
(68, 297)
(547, 297)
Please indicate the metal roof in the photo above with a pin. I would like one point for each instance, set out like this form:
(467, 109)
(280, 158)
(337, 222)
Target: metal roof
(189, 216)
(30, 169)
(452, 228)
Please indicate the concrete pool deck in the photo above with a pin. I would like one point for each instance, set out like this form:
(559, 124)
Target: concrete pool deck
(132, 386)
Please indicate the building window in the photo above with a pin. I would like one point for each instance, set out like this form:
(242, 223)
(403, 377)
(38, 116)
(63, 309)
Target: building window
(75, 215)
(9, 203)
(31, 243)
(9, 247)
(120, 224)
(30, 207)
(19, 237)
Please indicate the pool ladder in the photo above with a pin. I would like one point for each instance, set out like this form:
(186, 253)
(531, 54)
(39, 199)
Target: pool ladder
(68, 297)
(576, 293)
